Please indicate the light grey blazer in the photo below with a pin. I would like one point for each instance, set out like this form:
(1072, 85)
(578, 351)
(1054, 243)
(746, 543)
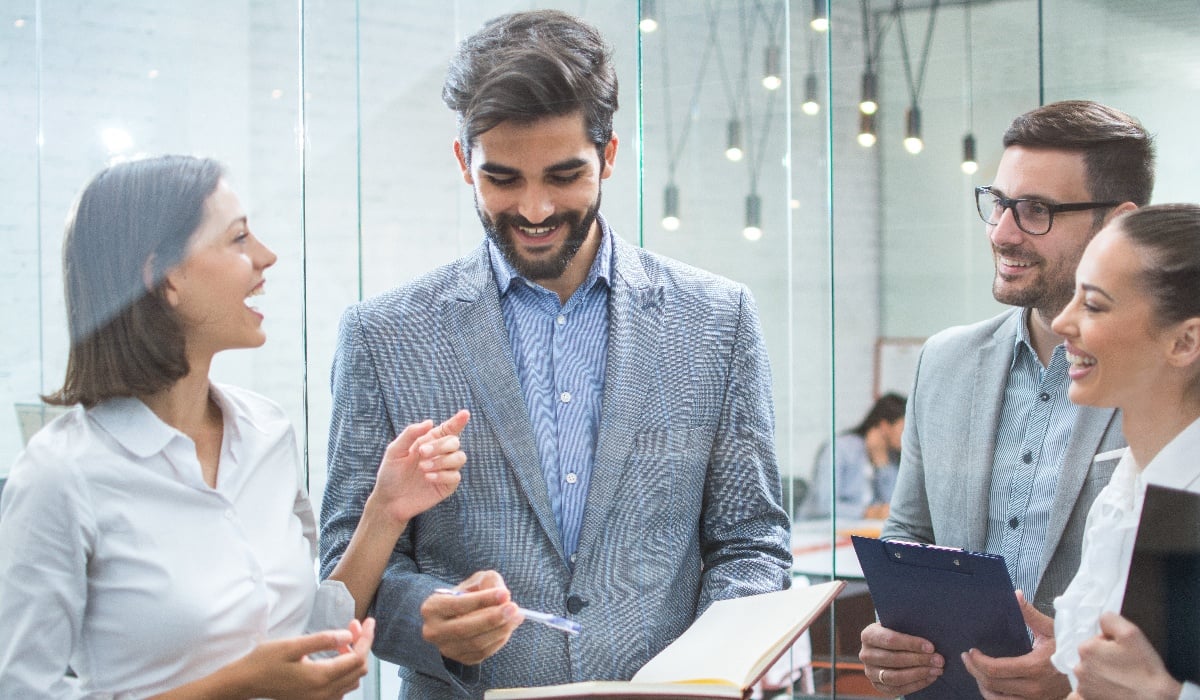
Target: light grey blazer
(684, 504)
(953, 417)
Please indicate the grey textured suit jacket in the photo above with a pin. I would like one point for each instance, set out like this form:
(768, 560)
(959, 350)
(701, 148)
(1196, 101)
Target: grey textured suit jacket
(953, 416)
(684, 504)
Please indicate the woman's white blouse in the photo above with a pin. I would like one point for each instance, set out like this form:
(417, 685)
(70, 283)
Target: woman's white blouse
(118, 560)
(1108, 539)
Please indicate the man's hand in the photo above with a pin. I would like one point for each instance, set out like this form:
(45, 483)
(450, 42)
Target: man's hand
(898, 664)
(1120, 663)
(469, 628)
(1031, 675)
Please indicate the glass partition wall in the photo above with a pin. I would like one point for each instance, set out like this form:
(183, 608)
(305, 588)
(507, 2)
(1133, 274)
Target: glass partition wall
(743, 150)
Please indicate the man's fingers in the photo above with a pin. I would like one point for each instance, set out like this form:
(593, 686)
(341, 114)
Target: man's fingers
(1037, 621)
(887, 641)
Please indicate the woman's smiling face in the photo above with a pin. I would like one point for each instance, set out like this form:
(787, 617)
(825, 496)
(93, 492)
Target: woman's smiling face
(1115, 343)
(222, 270)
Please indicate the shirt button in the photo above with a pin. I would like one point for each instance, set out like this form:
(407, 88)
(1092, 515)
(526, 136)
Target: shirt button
(561, 320)
(229, 515)
(573, 558)
(1027, 457)
(572, 478)
(1013, 523)
(1044, 396)
(565, 397)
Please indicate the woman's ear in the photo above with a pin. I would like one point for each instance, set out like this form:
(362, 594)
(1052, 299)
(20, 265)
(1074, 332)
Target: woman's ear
(167, 281)
(1185, 345)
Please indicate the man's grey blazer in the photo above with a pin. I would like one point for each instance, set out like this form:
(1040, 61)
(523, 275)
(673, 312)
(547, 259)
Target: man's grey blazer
(953, 416)
(684, 503)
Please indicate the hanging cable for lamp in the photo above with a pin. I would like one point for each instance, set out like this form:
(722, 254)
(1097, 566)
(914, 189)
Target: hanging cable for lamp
(756, 150)
(867, 103)
(913, 141)
(670, 219)
(970, 163)
(734, 147)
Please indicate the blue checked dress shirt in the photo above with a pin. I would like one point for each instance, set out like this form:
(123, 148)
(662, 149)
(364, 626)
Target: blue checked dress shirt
(1035, 426)
(559, 351)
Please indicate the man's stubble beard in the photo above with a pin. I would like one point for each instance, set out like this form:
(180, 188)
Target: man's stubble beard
(499, 231)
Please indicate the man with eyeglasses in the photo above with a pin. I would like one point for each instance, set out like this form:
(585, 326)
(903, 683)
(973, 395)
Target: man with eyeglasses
(995, 457)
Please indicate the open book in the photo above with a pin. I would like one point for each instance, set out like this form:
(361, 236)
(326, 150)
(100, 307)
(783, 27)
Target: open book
(722, 655)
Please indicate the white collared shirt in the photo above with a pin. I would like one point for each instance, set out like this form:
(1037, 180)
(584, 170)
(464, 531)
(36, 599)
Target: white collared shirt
(1108, 539)
(117, 559)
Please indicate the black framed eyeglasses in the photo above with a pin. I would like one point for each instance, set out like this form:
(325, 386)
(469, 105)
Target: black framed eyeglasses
(1032, 216)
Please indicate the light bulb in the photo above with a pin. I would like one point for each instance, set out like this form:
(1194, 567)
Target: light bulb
(810, 106)
(753, 228)
(866, 130)
(733, 140)
(670, 220)
(912, 133)
(868, 105)
(648, 22)
(969, 164)
(771, 79)
(820, 16)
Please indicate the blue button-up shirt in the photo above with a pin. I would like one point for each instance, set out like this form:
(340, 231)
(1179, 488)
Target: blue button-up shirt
(560, 351)
(1035, 426)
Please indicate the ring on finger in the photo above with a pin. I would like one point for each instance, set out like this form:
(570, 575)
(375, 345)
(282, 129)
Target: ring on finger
(881, 672)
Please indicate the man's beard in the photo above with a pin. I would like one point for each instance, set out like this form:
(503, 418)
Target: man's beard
(578, 224)
(1049, 293)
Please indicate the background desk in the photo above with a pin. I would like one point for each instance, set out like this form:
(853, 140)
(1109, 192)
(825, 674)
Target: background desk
(820, 553)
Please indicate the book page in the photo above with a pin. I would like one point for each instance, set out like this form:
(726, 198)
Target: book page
(735, 640)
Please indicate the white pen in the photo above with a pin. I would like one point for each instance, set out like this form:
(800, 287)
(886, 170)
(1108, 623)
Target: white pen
(558, 623)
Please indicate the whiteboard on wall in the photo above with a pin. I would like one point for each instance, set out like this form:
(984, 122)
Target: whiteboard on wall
(896, 364)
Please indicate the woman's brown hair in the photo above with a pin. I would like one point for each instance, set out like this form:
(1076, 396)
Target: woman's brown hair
(130, 225)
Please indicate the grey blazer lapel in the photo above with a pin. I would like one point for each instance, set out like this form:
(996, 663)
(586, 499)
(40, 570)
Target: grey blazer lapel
(1084, 443)
(634, 318)
(480, 339)
(992, 364)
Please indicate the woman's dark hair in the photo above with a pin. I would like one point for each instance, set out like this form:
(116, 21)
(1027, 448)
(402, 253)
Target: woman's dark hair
(888, 408)
(1169, 235)
(130, 225)
(527, 66)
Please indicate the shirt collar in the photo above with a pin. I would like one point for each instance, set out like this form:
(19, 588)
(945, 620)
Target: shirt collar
(133, 425)
(601, 270)
(138, 429)
(1023, 341)
(1175, 465)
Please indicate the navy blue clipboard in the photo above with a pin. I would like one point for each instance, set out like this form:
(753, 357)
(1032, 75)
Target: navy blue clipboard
(956, 599)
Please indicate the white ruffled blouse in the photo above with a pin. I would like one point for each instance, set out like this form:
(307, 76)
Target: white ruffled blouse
(1108, 539)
